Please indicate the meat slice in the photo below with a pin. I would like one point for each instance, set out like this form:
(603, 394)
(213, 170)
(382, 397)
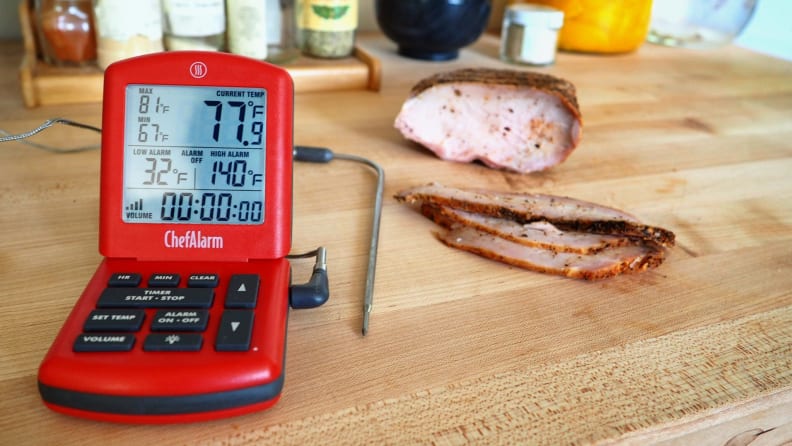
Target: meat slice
(545, 233)
(607, 262)
(565, 213)
(515, 120)
(537, 234)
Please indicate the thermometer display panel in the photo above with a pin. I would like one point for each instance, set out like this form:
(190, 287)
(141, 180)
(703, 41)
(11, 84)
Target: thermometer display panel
(196, 158)
(194, 154)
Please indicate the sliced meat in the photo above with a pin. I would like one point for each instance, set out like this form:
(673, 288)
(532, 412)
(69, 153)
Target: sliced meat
(515, 120)
(565, 213)
(545, 233)
(607, 262)
(537, 234)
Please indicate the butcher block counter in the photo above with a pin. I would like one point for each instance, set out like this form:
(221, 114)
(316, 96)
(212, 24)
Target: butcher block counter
(462, 349)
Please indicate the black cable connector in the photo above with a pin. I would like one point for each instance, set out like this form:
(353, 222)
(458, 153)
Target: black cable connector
(313, 154)
(316, 291)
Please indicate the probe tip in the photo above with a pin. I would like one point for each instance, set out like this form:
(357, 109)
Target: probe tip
(366, 316)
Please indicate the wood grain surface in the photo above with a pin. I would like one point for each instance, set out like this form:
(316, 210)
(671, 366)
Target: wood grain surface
(463, 350)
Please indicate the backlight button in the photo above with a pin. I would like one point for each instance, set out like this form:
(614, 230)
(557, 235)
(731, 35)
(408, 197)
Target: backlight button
(173, 342)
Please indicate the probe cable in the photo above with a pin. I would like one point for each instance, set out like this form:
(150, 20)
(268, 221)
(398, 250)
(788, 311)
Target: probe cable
(325, 155)
(317, 286)
(5, 136)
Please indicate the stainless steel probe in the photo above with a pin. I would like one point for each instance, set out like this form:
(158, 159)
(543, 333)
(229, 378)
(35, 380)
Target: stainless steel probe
(324, 155)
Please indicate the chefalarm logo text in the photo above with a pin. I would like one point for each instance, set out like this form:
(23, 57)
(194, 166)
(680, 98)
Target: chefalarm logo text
(192, 239)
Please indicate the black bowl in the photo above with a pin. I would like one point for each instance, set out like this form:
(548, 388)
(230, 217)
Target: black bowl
(432, 29)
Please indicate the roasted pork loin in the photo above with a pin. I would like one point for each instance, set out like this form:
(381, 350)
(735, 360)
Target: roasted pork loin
(536, 234)
(507, 119)
(545, 233)
(605, 263)
(563, 212)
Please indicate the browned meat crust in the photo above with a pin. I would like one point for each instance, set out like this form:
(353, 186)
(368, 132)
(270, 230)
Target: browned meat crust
(527, 208)
(545, 82)
(564, 241)
(544, 233)
(631, 259)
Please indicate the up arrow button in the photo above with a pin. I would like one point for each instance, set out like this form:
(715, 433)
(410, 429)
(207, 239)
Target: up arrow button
(242, 291)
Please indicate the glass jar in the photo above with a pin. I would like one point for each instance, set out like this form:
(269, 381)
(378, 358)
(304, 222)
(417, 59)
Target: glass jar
(262, 29)
(281, 31)
(699, 23)
(125, 29)
(327, 27)
(66, 31)
(247, 28)
(530, 34)
(194, 24)
(602, 26)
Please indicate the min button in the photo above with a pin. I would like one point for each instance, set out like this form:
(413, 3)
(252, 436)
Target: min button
(164, 280)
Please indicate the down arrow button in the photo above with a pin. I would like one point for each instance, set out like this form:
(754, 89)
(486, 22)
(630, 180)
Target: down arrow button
(236, 328)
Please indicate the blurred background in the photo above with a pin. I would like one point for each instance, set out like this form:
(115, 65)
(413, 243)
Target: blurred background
(768, 31)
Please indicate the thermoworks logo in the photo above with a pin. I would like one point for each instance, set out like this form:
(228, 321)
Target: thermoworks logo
(192, 239)
(198, 70)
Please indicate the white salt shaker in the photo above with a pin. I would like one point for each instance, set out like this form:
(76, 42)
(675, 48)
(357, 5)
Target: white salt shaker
(530, 34)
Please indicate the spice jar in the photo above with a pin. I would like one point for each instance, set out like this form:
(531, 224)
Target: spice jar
(247, 28)
(125, 29)
(194, 24)
(530, 34)
(262, 29)
(602, 26)
(327, 27)
(66, 31)
(281, 31)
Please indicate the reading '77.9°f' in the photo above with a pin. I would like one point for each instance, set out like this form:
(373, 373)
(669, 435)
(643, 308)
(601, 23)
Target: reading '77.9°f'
(216, 118)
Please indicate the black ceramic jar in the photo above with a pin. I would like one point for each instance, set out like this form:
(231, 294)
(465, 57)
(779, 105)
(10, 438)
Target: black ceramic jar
(432, 29)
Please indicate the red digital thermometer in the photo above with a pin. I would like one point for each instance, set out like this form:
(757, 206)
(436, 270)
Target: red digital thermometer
(185, 318)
